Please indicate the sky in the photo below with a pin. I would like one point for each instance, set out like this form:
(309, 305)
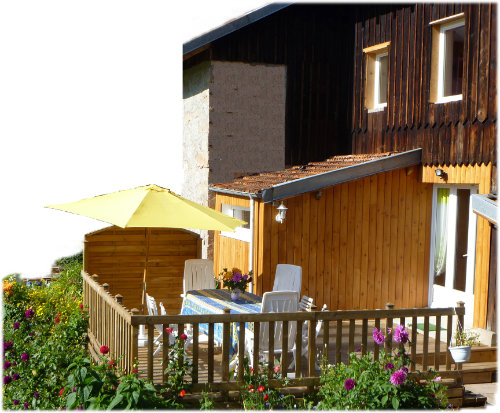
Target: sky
(90, 103)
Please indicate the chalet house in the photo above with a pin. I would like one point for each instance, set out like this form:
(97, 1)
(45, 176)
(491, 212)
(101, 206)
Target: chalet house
(391, 111)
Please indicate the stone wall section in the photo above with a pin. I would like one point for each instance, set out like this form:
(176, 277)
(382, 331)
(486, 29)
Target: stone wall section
(234, 124)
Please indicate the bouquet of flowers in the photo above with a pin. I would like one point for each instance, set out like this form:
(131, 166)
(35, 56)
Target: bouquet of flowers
(234, 279)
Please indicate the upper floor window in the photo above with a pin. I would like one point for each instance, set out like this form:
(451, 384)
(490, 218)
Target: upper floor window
(447, 59)
(377, 59)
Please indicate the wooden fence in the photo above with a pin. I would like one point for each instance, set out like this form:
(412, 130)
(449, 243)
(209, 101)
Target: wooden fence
(113, 325)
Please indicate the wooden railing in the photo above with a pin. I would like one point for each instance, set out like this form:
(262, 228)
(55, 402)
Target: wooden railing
(109, 323)
(113, 325)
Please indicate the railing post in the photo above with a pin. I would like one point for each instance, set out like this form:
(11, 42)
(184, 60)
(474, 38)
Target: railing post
(460, 326)
(225, 347)
(134, 344)
(119, 299)
(388, 325)
(106, 287)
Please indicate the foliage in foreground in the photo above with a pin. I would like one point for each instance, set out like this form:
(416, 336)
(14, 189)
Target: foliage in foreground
(384, 384)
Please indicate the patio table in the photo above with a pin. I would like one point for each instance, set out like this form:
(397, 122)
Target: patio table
(212, 301)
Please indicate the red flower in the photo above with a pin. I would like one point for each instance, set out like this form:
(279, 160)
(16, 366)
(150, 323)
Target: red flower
(135, 371)
(183, 336)
(266, 397)
(56, 320)
(169, 330)
(277, 369)
(250, 386)
(61, 392)
(81, 305)
(58, 313)
(111, 364)
(261, 388)
(104, 350)
(182, 393)
(251, 390)
(114, 387)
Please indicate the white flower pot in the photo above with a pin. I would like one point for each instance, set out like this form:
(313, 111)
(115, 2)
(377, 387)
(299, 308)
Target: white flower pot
(460, 354)
(235, 295)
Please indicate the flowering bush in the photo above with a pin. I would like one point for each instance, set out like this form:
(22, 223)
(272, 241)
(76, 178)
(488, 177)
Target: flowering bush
(380, 384)
(234, 279)
(257, 394)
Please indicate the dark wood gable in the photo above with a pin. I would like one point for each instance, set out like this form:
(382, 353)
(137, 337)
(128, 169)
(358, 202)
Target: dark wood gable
(460, 132)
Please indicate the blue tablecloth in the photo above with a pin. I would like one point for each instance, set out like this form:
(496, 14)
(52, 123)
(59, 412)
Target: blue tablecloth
(213, 302)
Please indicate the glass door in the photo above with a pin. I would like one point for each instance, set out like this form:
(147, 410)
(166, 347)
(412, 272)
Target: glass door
(453, 241)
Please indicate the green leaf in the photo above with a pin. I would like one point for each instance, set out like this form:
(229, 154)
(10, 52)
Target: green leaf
(395, 403)
(86, 393)
(135, 395)
(71, 401)
(116, 401)
(384, 400)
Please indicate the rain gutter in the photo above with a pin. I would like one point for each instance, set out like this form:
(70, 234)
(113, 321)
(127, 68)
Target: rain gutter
(337, 176)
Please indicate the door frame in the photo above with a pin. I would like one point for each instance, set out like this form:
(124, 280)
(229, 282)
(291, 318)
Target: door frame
(455, 295)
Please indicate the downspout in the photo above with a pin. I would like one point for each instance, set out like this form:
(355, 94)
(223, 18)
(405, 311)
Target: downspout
(250, 249)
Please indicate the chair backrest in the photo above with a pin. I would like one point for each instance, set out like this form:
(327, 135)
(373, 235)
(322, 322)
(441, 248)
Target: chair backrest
(162, 309)
(288, 278)
(279, 302)
(198, 275)
(151, 305)
(306, 303)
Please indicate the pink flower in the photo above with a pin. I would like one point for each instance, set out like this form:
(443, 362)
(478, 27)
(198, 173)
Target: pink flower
(389, 366)
(378, 337)
(401, 335)
(25, 357)
(277, 369)
(251, 390)
(349, 384)
(61, 392)
(183, 336)
(398, 377)
(29, 313)
(438, 378)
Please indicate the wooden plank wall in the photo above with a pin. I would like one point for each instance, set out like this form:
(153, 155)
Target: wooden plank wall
(360, 245)
(230, 252)
(461, 132)
(473, 175)
(118, 256)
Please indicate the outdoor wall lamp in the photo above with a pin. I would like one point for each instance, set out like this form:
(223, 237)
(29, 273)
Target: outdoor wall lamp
(281, 213)
(441, 174)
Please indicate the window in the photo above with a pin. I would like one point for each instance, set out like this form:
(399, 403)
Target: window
(447, 59)
(242, 233)
(377, 60)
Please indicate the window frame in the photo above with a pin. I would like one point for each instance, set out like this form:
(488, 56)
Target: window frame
(240, 234)
(372, 81)
(440, 27)
(376, 84)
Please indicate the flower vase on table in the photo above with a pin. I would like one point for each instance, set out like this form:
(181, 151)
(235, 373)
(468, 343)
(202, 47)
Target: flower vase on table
(235, 281)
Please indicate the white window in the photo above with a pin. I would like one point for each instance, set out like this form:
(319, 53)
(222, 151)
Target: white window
(447, 59)
(241, 233)
(377, 76)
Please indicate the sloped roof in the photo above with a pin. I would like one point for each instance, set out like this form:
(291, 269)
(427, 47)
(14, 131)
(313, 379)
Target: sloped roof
(190, 47)
(276, 185)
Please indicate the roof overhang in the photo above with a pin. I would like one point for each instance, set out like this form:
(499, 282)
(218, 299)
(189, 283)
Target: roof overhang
(201, 42)
(486, 207)
(337, 176)
(334, 177)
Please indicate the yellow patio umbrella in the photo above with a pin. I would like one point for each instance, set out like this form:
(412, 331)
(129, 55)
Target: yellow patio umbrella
(150, 206)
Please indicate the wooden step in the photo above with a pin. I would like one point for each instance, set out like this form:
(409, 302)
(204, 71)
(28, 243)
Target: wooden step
(479, 372)
(473, 400)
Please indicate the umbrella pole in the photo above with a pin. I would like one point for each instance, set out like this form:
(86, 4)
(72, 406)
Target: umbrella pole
(144, 276)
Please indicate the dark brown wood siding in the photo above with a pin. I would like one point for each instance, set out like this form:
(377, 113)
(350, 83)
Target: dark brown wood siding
(461, 132)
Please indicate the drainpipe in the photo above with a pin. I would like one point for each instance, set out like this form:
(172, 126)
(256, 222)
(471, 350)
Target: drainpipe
(250, 249)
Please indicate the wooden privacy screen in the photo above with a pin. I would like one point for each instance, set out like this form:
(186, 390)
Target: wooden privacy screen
(119, 255)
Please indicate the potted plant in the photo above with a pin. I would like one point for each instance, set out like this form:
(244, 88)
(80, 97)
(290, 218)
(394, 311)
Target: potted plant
(235, 281)
(464, 340)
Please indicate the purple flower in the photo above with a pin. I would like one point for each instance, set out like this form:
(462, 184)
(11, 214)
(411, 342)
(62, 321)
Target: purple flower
(245, 277)
(405, 369)
(389, 366)
(236, 277)
(6, 365)
(26, 405)
(16, 402)
(74, 389)
(25, 357)
(378, 337)
(29, 313)
(7, 345)
(32, 334)
(36, 395)
(398, 377)
(16, 325)
(15, 376)
(401, 335)
(349, 384)
(7, 379)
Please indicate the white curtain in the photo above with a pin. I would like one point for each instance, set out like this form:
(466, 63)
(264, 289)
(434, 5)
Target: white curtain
(443, 195)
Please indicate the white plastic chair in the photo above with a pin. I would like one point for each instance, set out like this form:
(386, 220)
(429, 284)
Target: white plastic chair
(305, 335)
(198, 275)
(274, 302)
(288, 278)
(306, 304)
